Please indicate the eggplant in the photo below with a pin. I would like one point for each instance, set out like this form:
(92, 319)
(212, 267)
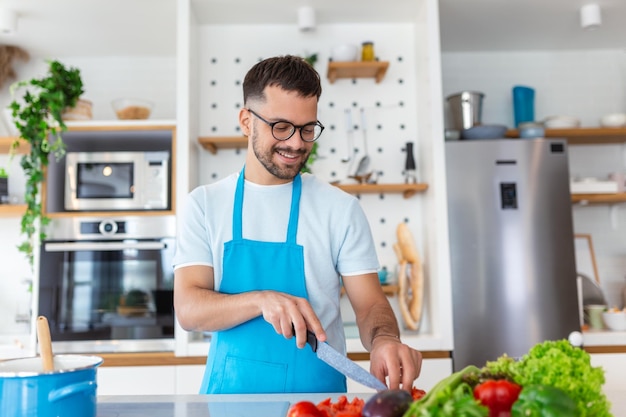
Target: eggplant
(388, 403)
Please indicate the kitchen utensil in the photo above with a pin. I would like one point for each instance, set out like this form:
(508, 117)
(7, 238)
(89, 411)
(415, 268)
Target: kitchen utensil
(364, 164)
(342, 364)
(349, 155)
(484, 132)
(465, 109)
(45, 344)
(523, 104)
(69, 390)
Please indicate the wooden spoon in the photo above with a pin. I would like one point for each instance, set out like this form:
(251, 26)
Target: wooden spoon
(45, 343)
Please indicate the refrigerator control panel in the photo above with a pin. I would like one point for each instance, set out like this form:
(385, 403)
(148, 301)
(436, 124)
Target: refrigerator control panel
(508, 195)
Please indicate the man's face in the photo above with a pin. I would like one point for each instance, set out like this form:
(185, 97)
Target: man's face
(282, 159)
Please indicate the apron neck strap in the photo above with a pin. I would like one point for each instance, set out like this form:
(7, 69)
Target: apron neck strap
(292, 228)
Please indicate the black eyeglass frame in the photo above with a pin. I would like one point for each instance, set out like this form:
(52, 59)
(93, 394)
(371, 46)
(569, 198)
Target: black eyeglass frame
(295, 127)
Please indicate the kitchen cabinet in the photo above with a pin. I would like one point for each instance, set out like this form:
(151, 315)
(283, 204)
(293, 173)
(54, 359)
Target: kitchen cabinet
(357, 69)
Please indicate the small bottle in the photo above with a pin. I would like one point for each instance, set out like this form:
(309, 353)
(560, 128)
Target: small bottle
(410, 173)
(367, 51)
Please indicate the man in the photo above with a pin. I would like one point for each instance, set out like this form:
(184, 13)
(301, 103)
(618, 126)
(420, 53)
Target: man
(262, 254)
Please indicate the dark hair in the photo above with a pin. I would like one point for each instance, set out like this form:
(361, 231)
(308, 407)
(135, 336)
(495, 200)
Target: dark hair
(291, 73)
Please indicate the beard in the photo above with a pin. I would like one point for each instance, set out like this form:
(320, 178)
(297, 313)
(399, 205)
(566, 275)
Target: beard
(265, 157)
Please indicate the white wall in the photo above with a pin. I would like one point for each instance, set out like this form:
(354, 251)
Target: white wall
(390, 108)
(586, 84)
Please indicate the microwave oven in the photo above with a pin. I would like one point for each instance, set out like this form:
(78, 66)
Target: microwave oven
(105, 181)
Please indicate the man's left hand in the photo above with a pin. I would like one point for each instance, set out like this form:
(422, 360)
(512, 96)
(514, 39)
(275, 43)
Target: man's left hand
(392, 360)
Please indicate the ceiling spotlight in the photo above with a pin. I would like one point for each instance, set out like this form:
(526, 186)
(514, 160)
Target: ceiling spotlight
(306, 18)
(590, 16)
(8, 21)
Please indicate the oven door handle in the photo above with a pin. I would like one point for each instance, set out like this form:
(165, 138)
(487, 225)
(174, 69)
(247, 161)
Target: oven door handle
(102, 246)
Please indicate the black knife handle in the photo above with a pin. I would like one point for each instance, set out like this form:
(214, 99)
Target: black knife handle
(311, 340)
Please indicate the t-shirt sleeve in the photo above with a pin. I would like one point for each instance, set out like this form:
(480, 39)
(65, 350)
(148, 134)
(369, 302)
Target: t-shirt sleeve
(357, 251)
(192, 240)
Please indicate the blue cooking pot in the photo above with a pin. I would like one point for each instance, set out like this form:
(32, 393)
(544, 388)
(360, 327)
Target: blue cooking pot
(70, 390)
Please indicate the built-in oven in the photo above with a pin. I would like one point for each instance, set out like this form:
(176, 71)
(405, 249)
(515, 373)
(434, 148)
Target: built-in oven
(108, 279)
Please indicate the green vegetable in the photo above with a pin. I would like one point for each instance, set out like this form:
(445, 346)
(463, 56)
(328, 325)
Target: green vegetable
(558, 364)
(543, 401)
(451, 397)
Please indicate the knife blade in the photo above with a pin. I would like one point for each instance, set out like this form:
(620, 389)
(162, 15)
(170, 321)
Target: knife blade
(343, 364)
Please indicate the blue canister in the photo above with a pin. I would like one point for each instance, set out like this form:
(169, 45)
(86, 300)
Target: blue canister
(523, 104)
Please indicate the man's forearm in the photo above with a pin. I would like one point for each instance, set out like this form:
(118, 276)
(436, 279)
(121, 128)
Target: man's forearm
(379, 322)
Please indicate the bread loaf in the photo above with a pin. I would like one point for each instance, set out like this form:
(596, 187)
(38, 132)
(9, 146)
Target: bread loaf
(411, 278)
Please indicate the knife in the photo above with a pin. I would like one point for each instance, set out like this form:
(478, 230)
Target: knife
(342, 364)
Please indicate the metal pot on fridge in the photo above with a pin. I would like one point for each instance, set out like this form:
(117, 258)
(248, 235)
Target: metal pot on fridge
(465, 109)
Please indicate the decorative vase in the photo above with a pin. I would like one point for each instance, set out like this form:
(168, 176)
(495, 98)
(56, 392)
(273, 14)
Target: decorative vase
(410, 172)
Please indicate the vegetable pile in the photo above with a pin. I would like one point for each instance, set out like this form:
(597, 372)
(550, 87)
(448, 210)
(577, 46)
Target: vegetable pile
(554, 379)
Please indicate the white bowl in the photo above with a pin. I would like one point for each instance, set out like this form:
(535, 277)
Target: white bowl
(345, 52)
(561, 122)
(615, 320)
(613, 120)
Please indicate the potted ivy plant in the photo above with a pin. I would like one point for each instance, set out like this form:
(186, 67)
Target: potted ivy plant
(37, 117)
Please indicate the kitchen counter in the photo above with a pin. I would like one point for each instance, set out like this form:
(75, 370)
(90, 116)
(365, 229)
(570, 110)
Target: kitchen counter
(259, 405)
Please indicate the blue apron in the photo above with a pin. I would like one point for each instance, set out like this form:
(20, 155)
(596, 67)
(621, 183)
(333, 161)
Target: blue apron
(252, 357)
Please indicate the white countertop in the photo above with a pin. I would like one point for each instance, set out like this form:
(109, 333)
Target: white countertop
(264, 405)
(604, 338)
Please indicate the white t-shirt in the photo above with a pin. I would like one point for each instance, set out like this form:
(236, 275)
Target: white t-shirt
(332, 229)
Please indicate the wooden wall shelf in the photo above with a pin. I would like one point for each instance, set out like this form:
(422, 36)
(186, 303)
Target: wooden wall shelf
(583, 135)
(5, 145)
(407, 190)
(12, 210)
(213, 143)
(599, 198)
(357, 69)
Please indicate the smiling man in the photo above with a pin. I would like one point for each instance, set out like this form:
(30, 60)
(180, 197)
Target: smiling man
(262, 254)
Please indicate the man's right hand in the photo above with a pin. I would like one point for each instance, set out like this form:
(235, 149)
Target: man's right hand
(286, 313)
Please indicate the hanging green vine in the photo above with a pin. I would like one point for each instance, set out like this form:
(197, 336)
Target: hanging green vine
(37, 117)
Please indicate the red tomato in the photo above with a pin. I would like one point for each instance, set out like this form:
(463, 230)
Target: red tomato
(417, 393)
(497, 395)
(304, 409)
(341, 408)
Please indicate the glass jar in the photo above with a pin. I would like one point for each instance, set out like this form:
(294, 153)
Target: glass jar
(367, 51)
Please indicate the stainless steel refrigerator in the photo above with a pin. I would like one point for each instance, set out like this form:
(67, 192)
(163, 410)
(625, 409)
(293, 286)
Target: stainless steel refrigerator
(512, 247)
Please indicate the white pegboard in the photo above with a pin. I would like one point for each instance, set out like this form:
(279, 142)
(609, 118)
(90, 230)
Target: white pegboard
(390, 108)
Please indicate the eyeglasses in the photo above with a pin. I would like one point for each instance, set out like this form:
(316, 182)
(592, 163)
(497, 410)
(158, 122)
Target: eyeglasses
(283, 130)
